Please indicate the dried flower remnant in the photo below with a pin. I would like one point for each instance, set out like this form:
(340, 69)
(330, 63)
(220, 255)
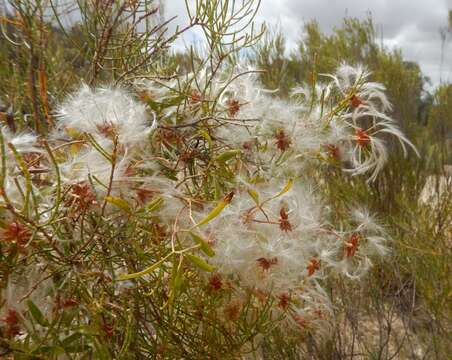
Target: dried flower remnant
(16, 233)
(320, 314)
(195, 97)
(355, 101)
(64, 303)
(11, 317)
(366, 94)
(144, 95)
(228, 197)
(232, 310)
(284, 223)
(189, 155)
(144, 195)
(160, 232)
(351, 246)
(362, 138)
(301, 321)
(109, 330)
(282, 140)
(233, 107)
(82, 195)
(215, 282)
(171, 136)
(284, 301)
(11, 320)
(247, 145)
(313, 266)
(265, 263)
(333, 152)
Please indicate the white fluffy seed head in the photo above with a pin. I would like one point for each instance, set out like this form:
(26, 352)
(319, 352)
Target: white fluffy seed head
(103, 110)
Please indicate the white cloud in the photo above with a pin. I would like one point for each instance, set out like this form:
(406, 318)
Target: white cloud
(411, 25)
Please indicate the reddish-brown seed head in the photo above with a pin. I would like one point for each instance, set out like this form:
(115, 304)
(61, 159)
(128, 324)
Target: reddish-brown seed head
(351, 246)
(16, 232)
(333, 151)
(284, 223)
(265, 263)
(144, 195)
(313, 266)
(233, 107)
(215, 282)
(284, 301)
(232, 310)
(282, 141)
(83, 194)
(361, 137)
(11, 317)
(195, 97)
(356, 101)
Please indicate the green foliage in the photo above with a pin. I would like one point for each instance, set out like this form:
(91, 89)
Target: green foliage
(440, 122)
(355, 42)
(94, 312)
(269, 55)
(421, 240)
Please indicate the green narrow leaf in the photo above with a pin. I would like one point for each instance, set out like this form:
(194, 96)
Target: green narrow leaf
(206, 136)
(101, 352)
(98, 147)
(152, 104)
(176, 279)
(73, 133)
(203, 244)
(254, 195)
(145, 271)
(155, 204)
(179, 278)
(28, 188)
(127, 339)
(227, 155)
(37, 314)
(200, 263)
(284, 190)
(216, 188)
(71, 338)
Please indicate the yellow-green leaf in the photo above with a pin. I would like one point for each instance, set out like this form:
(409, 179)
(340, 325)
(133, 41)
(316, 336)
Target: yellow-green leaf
(206, 136)
(127, 339)
(145, 271)
(73, 133)
(227, 155)
(284, 190)
(74, 149)
(254, 195)
(121, 203)
(203, 244)
(200, 263)
(176, 278)
(217, 210)
(176, 274)
(155, 204)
